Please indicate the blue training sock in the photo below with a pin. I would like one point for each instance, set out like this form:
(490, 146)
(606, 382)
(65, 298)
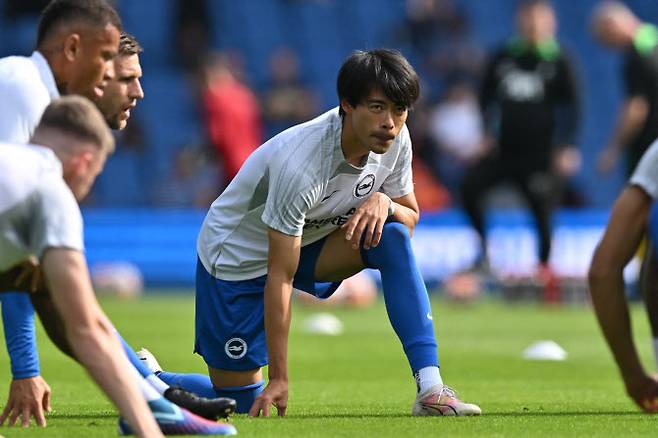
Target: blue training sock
(199, 384)
(405, 295)
(132, 357)
(244, 396)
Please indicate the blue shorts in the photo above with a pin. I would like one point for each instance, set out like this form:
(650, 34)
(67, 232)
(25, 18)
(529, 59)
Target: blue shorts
(230, 330)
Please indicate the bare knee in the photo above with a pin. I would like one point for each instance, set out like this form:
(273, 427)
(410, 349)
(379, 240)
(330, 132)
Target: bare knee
(228, 378)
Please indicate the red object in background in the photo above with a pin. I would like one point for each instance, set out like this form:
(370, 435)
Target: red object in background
(233, 122)
(430, 194)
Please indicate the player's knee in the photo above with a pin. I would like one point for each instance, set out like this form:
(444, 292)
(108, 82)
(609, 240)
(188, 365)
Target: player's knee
(395, 233)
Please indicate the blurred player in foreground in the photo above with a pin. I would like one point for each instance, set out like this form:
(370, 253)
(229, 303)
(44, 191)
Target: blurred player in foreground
(626, 228)
(309, 208)
(61, 65)
(39, 217)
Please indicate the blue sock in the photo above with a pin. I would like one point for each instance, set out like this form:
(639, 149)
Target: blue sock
(196, 383)
(244, 396)
(405, 295)
(132, 357)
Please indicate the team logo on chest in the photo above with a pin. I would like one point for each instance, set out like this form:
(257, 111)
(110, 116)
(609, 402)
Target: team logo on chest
(235, 348)
(364, 186)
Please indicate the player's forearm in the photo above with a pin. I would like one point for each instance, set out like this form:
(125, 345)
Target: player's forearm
(20, 338)
(406, 216)
(102, 356)
(278, 292)
(609, 301)
(632, 117)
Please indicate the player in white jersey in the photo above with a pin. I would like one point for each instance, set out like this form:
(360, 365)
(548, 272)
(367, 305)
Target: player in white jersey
(309, 208)
(76, 53)
(39, 217)
(631, 218)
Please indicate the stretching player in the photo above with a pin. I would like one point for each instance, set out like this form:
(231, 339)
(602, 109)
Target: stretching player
(626, 228)
(29, 83)
(312, 206)
(39, 218)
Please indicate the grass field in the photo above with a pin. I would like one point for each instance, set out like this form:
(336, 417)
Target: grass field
(358, 384)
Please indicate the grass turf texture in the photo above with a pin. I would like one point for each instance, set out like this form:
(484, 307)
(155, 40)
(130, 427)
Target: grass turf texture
(359, 384)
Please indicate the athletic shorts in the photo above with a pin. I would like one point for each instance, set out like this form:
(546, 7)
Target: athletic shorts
(230, 330)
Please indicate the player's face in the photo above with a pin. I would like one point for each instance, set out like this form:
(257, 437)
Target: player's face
(92, 64)
(122, 92)
(376, 121)
(83, 170)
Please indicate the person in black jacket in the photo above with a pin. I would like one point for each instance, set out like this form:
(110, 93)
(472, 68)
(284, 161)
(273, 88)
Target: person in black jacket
(615, 26)
(529, 100)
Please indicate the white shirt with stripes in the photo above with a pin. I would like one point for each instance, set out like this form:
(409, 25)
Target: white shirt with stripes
(297, 183)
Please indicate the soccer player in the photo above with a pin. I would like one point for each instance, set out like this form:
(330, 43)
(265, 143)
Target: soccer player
(628, 224)
(529, 100)
(28, 84)
(312, 206)
(615, 26)
(39, 217)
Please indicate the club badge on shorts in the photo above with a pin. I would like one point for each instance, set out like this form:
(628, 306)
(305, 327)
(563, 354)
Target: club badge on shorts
(235, 348)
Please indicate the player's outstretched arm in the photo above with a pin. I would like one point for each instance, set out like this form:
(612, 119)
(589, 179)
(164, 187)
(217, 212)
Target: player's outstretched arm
(620, 241)
(282, 263)
(92, 337)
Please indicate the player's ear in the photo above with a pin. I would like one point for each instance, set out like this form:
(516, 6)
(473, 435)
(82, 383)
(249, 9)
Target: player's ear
(345, 105)
(72, 46)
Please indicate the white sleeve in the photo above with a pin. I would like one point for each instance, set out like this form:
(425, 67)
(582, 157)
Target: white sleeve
(56, 221)
(400, 181)
(646, 173)
(17, 116)
(290, 195)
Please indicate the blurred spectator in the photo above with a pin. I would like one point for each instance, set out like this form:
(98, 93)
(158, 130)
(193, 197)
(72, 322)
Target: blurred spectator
(286, 101)
(615, 26)
(439, 34)
(192, 33)
(231, 113)
(193, 182)
(530, 102)
(455, 128)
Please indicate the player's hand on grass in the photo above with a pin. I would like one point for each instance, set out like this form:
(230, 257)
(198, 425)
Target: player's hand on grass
(27, 398)
(275, 394)
(644, 391)
(368, 220)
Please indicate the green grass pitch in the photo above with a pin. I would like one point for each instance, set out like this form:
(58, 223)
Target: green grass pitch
(358, 384)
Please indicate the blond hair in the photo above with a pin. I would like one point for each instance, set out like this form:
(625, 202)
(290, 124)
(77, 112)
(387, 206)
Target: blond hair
(78, 117)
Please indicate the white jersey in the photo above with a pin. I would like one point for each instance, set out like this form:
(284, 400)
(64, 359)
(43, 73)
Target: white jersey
(646, 172)
(27, 86)
(37, 209)
(297, 183)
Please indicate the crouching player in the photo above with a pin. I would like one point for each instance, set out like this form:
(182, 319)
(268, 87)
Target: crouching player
(629, 221)
(40, 219)
(314, 205)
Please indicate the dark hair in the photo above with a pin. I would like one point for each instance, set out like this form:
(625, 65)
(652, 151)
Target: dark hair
(128, 45)
(96, 12)
(385, 69)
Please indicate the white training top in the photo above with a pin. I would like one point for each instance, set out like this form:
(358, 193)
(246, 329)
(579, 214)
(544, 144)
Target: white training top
(27, 86)
(646, 172)
(297, 183)
(37, 209)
